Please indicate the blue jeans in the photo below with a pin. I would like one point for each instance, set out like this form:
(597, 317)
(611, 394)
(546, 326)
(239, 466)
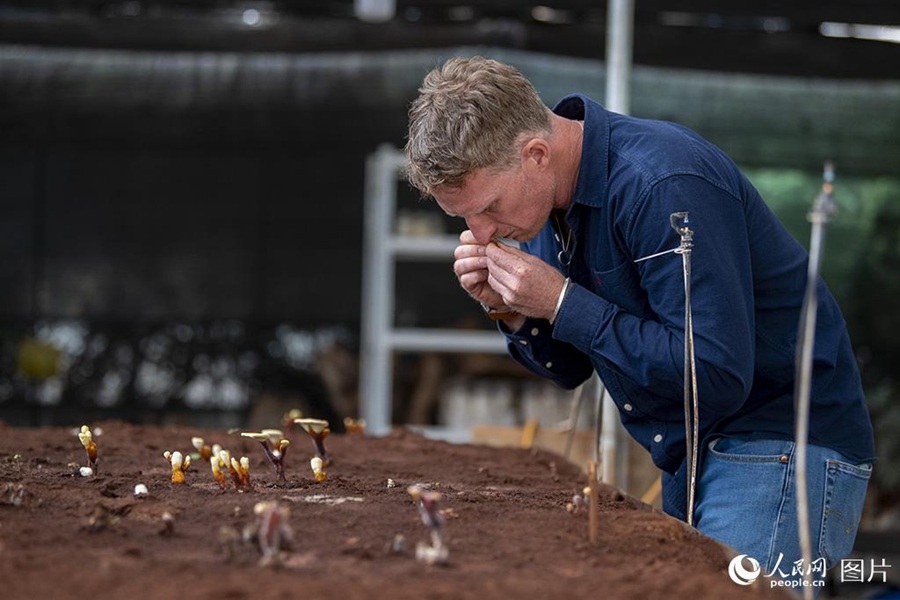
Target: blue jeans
(746, 498)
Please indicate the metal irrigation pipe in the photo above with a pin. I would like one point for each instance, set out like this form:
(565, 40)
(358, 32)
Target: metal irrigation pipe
(680, 223)
(600, 391)
(574, 411)
(690, 366)
(822, 210)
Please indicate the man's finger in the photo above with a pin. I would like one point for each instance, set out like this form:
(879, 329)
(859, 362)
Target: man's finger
(467, 237)
(501, 289)
(497, 249)
(504, 260)
(507, 278)
(500, 257)
(468, 250)
(466, 265)
(469, 280)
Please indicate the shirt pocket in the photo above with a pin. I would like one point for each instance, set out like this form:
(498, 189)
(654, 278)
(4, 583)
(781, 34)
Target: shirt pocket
(622, 287)
(845, 493)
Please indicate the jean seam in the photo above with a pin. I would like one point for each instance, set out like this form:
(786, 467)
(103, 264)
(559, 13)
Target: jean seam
(849, 469)
(786, 486)
(747, 458)
(826, 503)
(832, 469)
(744, 458)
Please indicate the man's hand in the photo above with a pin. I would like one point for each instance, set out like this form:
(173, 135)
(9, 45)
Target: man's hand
(471, 268)
(525, 283)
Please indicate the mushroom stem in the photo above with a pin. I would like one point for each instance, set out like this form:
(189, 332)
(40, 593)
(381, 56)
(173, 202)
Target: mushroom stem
(275, 446)
(318, 430)
(317, 465)
(215, 463)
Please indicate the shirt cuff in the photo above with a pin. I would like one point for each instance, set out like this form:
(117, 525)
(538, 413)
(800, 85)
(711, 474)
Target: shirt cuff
(532, 343)
(581, 318)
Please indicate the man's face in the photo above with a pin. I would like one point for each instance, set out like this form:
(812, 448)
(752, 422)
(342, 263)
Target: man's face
(514, 203)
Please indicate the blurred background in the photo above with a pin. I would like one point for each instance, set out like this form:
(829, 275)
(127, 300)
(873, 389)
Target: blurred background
(188, 220)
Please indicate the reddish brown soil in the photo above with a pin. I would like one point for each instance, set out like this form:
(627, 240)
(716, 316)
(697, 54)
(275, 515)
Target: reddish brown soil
(507, 529)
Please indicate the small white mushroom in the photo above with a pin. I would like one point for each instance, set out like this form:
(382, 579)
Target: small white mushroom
(431, 555)
(168, 520)
(141, 490)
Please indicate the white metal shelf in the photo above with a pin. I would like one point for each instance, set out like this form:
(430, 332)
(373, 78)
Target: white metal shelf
(446, 340)
(381, 249)
(423, 248)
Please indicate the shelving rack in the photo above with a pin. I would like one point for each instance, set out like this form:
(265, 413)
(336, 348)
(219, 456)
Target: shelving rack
(382, 249)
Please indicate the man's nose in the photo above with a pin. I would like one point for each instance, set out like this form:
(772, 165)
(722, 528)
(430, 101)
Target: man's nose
(482, 228)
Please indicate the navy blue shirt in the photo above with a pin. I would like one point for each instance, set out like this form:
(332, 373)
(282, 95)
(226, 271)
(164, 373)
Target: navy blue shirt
(626, 320)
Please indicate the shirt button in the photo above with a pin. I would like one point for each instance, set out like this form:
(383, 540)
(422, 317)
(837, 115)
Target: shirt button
(657, 438)
(549, 365)
(628, 407)
(523, 342)
(535, 331)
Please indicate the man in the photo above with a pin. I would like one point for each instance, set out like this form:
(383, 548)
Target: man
(587, 193)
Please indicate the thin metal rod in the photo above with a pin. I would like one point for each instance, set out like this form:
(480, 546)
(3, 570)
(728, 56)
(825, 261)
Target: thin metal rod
(574, 412)
(658, 254)
(619, 43)
(824, 206)
(593, 504)
(691, 368)
(688, 430)
(598, 426)
(611, 448)
(680, 223)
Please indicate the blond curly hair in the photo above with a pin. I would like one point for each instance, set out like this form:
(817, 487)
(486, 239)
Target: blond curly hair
(471, 113)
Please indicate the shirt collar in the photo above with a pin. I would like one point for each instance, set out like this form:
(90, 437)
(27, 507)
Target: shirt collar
(593, 172)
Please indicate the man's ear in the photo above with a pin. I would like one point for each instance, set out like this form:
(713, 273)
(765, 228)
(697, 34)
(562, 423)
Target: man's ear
(536, 154)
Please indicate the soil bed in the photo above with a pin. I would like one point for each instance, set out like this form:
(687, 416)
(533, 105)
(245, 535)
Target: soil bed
(507, 529)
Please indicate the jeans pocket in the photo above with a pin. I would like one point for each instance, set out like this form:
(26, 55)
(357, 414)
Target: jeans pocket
(745, 450)
(845, 493)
